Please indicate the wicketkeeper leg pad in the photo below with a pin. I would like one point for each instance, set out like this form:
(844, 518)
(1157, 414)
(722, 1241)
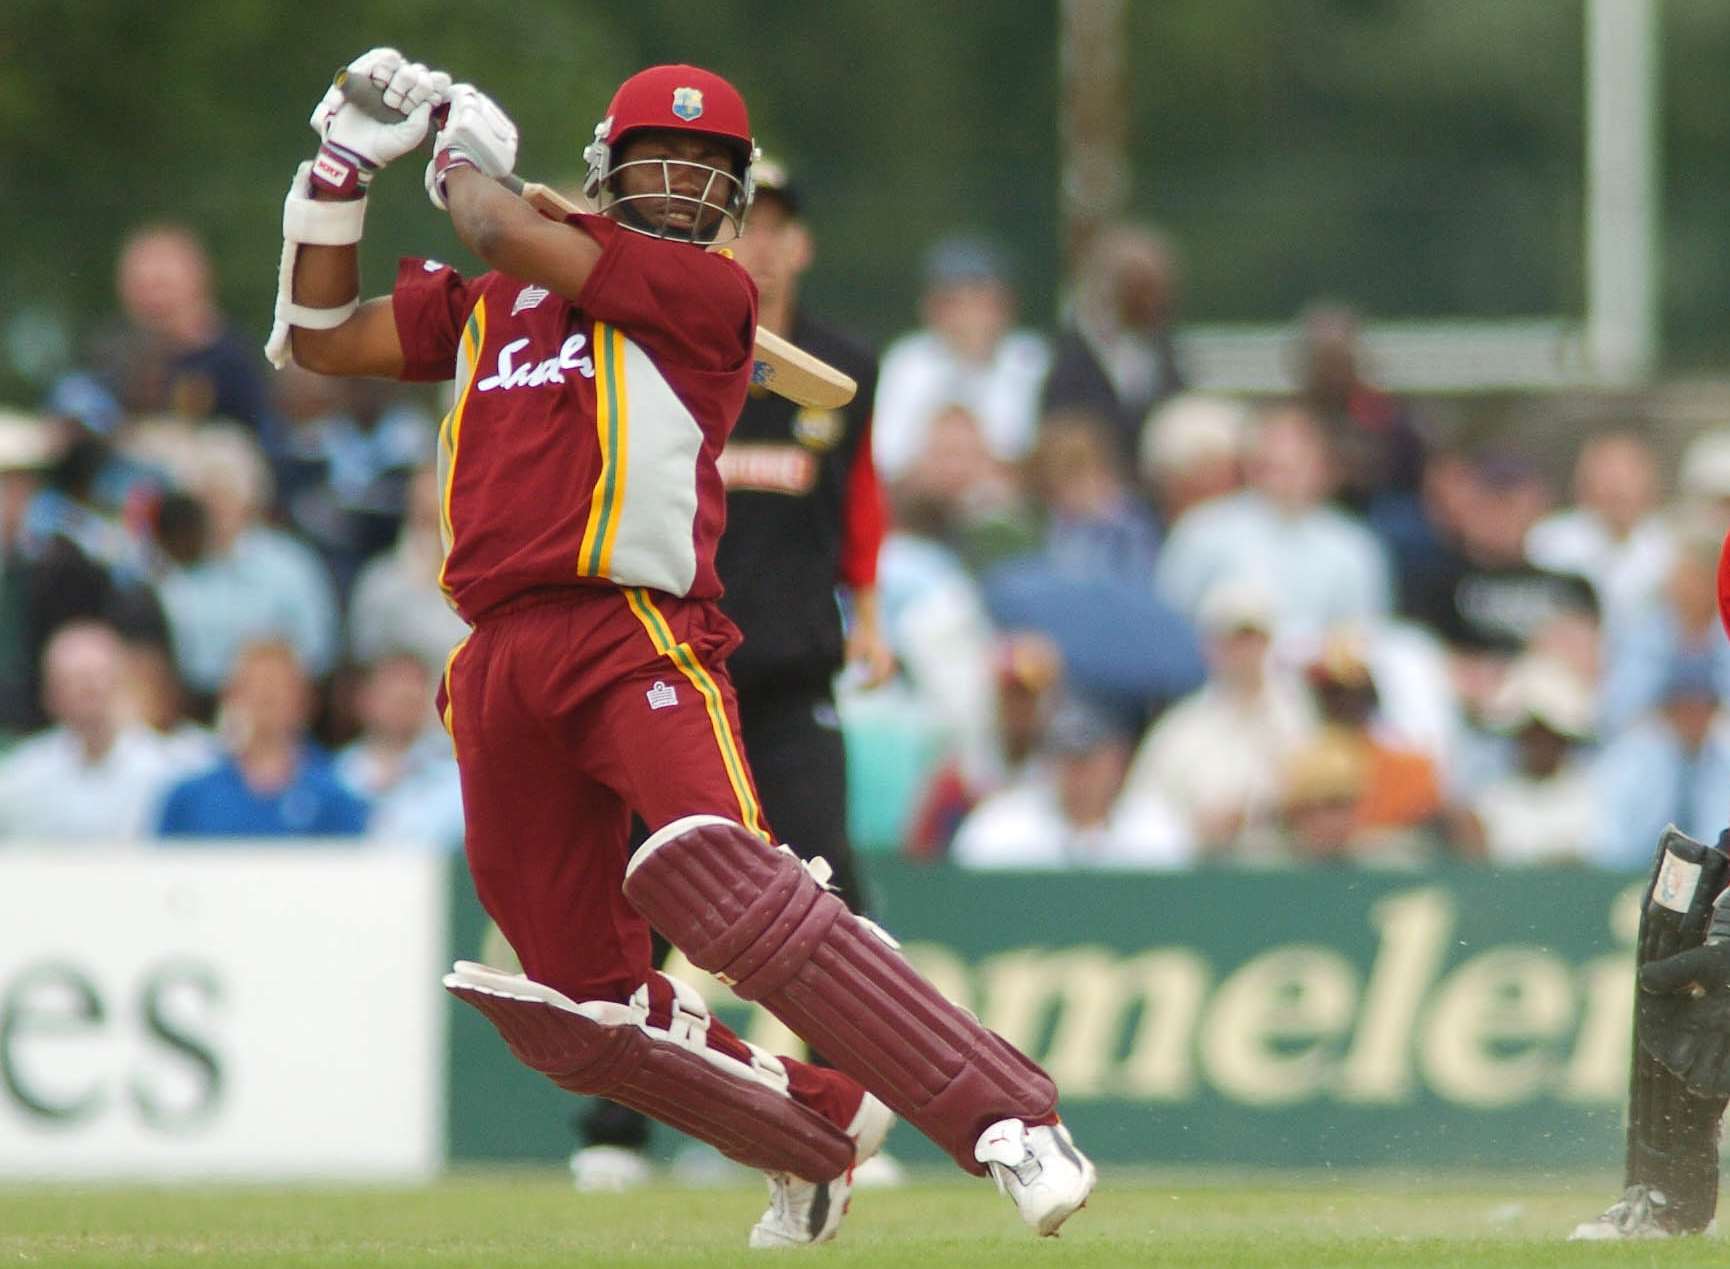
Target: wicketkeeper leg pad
(759, 920)
(661, 1066)
(1672, 1128)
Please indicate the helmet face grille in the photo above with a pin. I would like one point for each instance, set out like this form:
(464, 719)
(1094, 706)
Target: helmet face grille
(713, 214)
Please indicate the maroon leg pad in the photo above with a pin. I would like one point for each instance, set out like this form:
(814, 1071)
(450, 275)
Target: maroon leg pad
(756, 918)
(605, 1049)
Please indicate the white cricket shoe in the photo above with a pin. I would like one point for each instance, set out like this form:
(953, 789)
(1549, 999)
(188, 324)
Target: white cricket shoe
(1633, 1216)
(804, 1213)
(1040, 1169)
(610, 1169)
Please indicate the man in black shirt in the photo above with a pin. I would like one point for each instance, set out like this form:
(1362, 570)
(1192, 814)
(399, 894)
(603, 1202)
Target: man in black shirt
(804, 522)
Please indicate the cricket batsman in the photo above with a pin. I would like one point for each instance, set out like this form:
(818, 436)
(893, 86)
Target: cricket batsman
(598, 367)
(1679, 1084)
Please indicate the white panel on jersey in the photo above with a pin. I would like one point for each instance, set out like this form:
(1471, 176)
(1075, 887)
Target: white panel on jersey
(655, 543)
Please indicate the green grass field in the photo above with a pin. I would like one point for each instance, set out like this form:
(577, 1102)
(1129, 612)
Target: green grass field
(534, 1219)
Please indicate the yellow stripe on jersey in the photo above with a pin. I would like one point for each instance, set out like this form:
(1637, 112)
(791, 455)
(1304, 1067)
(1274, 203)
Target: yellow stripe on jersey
(612, 429)
(681, 655)
(449, 718)
(450, 430)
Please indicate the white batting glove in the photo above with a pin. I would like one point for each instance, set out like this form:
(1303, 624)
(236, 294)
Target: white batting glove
(384, 114)
(475, 133)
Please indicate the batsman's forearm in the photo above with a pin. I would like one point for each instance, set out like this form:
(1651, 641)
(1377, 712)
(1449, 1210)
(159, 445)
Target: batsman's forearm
(325, 277)
(481, 212)
(514, 238)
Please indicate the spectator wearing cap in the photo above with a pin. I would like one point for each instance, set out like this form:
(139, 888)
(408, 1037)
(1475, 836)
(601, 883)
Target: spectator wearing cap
(1068, 813)
(1115, 356)
(1028, 677)
(1402, 787)
(1323, 790)
(1217, 755)
(967, 351)
(1481, 593)
(1192, 450)
(1321, 566)
(1614, 534)
(1671, 766)
(1543, 809)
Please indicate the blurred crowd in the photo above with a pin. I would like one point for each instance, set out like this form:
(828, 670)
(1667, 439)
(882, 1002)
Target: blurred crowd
(1136, 625)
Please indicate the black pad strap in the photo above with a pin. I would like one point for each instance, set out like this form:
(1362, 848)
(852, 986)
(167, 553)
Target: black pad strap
(1672, 1129)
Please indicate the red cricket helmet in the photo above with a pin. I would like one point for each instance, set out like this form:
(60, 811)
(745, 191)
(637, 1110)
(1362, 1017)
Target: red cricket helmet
(678, 98)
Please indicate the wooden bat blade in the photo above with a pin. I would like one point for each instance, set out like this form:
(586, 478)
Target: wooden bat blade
(781, 367)
(789, 371)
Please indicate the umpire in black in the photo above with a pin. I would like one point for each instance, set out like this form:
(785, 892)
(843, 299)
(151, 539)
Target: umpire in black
(798, 560)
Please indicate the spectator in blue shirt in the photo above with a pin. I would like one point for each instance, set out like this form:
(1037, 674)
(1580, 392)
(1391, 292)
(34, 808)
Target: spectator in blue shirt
(272, 781)
(1671, 766)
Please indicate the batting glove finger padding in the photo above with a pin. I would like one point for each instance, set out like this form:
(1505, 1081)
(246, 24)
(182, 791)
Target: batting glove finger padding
(475, 133)
(383, 113)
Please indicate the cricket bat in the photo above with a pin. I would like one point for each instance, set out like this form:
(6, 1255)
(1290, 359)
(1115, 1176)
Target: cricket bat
(779, 366)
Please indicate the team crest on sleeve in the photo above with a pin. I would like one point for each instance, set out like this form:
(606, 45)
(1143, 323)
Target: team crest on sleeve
(688, 103)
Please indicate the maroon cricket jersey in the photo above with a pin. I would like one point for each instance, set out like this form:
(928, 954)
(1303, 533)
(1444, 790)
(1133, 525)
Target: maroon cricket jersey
(582, 444)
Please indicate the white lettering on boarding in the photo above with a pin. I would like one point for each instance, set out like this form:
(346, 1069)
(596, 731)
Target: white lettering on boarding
(514, 374)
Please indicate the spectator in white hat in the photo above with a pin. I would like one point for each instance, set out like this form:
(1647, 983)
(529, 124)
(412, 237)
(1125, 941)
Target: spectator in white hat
(1542, 810)
(1192, 449)
(1217, 755)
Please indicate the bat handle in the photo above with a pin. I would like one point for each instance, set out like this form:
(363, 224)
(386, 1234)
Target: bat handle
(366, 95)
(369, 98)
